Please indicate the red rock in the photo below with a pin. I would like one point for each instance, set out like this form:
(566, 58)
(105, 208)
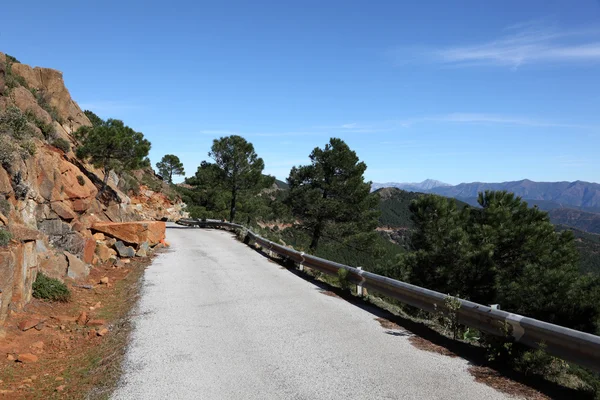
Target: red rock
(99, 236)
(81, 205)
(96, 322)
(27, 358)
(104, 280)
(136, 232)
(28, 324)
(64, 318)
(88, 250)
(165, 243)
(77, 226)
(23, 233)
(10, 357)
(102, 332)
(63, 210)
(104, 252)
(82, 319)
(60, 388)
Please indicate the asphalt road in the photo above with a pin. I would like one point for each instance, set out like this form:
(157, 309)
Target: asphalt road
(217, 320)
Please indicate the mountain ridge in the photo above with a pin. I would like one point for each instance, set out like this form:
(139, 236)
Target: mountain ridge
(563, 194)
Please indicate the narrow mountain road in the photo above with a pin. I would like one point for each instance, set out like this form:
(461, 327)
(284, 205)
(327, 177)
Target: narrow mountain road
(217, 320)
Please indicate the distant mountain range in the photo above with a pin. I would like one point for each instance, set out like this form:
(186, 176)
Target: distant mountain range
(426, 185)
(580, 195)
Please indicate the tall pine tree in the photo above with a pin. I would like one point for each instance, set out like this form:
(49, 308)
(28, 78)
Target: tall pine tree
(331, 196)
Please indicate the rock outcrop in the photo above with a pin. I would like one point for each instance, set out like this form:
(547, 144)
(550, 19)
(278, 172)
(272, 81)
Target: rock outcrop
(49, 199)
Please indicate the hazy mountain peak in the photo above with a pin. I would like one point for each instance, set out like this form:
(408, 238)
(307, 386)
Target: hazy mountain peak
(427, 184)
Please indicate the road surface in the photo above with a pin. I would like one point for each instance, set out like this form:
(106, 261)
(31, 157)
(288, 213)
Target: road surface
(217, 320)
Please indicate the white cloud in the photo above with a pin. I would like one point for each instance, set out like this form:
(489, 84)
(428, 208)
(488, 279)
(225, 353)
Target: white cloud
(521, 44)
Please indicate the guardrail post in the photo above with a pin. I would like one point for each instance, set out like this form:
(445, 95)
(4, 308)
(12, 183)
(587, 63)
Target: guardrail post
(301, 263)
(359, 287)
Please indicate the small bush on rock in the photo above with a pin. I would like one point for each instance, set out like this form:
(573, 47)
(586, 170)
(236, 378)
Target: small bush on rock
(62, 144)
(5, 237)
(50, 289)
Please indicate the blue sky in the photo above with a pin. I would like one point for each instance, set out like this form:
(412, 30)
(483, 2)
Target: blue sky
(455, 91)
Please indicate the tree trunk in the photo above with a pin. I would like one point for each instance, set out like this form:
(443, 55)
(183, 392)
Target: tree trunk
(316, 236)
(233, 199)
(104, 182)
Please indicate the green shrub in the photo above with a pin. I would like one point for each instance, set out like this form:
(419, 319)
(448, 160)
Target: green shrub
(8, 150)
(5, 206)
(47, 129)
(538, 362)
(5, 237)
(80, 180)
(29, 147)
(50, 289)
(62, 144)
(43, 101)
(14, 123)
(12, 59)
(342, 277)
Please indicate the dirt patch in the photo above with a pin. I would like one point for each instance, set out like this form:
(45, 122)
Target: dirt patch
(75, 359)
(424, 344)
(387, 324)
(502, 384)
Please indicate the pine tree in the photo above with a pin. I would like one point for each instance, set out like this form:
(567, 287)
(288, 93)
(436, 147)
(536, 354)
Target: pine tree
(330, 194)
(170, 165)
(239, 169)
(112, 145)
(504, 253)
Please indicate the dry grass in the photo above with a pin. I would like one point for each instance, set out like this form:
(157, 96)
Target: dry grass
(494, 379)
(424, 344)
(74, 359)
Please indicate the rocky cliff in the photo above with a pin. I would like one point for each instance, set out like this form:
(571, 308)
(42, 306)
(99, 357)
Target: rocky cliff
(49, 199)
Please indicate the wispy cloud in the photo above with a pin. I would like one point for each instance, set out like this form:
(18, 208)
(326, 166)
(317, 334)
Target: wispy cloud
(525, 43)
(472, 118)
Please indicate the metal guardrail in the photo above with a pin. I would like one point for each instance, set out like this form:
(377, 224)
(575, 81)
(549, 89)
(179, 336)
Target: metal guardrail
(569, 344)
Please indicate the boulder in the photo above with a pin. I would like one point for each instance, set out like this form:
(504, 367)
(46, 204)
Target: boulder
(104, 252)
(54, 227)
(77, 268)
(63, 210)
(99, 236)
(54, 265)
(23, 233)
(28, 324)
(27, 358)
(123, 250)
(133, 232)
(88, 250)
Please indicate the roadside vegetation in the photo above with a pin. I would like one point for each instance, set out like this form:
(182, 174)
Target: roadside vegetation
(503, 252)
(51, 289)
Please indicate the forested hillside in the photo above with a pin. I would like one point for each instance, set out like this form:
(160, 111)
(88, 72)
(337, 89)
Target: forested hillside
(396, 219)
